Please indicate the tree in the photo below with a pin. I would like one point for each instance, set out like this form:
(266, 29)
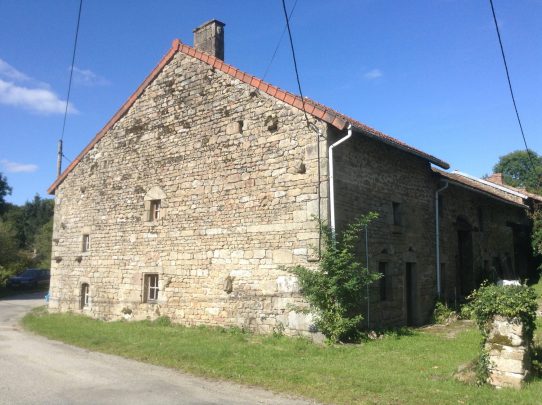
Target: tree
(8, 244)
(43, 243)
(5, 190)
(335, 292)
(521, 169)
(29, 218)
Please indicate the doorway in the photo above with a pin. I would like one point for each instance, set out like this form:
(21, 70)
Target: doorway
(465, 271)
(410, 292)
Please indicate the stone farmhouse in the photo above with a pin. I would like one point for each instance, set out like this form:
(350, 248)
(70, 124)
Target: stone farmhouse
(202, 188)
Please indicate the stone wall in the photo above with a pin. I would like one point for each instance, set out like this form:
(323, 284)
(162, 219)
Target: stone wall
(373, 176)
(489, 232)
(236, 172)
(509, 353)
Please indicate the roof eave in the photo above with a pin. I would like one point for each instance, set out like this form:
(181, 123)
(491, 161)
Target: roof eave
(495, 197)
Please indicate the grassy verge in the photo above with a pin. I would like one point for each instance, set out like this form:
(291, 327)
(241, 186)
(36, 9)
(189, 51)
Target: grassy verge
(397, 369)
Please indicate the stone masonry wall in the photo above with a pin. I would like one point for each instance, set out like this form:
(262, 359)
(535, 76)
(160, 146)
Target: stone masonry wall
(372, 176)
(509, 353)
(493, 249)
(237, 174)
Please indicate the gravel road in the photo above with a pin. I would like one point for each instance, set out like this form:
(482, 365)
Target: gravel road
(35, 370)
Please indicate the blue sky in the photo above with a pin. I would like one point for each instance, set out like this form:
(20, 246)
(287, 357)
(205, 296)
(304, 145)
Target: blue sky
(427, 72)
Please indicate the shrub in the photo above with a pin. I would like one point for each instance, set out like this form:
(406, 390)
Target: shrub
(507, 301)
(336, 291)
(442, 314)
(515, 301)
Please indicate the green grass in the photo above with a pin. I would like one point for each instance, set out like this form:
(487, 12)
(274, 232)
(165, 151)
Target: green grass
(410, 369)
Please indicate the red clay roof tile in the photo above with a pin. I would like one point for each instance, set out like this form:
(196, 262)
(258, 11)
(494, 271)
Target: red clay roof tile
(289, 98)
(298, 103)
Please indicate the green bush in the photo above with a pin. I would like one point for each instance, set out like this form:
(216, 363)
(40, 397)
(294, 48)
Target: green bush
(442, 313)
(515, 301)
(507, 301)
(336, 291)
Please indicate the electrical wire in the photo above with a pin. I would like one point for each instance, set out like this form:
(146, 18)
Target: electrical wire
(295, 61)
(71, 69)
(278, 44)
(510, 87)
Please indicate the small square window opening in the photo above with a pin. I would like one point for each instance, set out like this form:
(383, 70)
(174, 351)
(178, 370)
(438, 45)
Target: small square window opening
(150, 293)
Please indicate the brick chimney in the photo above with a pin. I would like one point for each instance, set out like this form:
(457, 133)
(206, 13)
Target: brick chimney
(496, 178)
(209, 38)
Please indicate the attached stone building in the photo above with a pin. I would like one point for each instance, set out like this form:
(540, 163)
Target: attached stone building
(198, 192)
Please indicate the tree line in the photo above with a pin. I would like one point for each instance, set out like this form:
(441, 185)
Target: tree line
(25, 233)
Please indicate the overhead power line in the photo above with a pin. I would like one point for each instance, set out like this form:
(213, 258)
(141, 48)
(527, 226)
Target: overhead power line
(510, 87)
(278, 43)
(71, 68)
(295, 61)
(60, 141)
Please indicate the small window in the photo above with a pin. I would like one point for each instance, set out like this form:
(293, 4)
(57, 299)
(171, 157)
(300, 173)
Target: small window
(150, 293)
(86, 243)
(396, 207)
(85, 296)
(384, 282)
(155, 210)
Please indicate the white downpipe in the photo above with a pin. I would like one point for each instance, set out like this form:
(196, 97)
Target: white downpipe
(437, 233)
(331, 183)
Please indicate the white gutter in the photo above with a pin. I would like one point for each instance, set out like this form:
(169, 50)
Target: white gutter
(331, 183)
(490, 184)
(437, 236)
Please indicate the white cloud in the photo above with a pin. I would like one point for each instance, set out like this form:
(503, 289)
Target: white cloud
(14, 167)
(33, 95)
(87, 77)
(40, 100)
(373, 74)
(9, 72)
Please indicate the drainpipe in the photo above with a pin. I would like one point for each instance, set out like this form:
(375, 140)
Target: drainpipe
(331, 184)
(319, 135)
(437, 233)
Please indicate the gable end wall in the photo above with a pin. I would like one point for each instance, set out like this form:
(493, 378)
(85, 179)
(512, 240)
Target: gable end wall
(239, 196)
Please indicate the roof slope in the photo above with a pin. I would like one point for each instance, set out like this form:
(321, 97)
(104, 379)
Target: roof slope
(317, 110)
(474, 184)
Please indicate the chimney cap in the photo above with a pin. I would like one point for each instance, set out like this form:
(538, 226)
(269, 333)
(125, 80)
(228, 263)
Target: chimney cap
(214, 20)
(209, 38)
